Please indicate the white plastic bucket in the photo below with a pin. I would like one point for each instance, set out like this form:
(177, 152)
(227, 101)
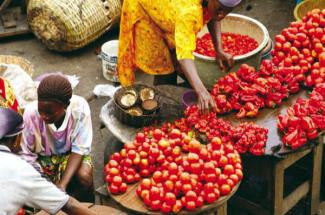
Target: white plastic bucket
(108, 55)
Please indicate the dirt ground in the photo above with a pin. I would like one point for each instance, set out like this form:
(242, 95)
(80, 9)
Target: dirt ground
(274, 14)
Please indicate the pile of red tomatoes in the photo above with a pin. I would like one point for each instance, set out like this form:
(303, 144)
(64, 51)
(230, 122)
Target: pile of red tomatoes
(234, 44)
(302, 44)
(177, 170)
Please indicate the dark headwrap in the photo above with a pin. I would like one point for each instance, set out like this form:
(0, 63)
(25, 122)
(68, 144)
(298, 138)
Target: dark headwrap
(11, 123)
(55, 88)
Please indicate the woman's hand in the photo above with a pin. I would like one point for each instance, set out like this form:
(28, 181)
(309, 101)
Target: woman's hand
(61, 186)
(225, 60)
(205, 101)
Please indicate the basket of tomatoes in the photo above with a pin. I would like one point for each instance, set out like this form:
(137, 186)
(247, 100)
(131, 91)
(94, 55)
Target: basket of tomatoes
(168, 171)
(245, 42)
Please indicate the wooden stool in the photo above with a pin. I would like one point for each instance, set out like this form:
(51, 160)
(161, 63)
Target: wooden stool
(272, 170)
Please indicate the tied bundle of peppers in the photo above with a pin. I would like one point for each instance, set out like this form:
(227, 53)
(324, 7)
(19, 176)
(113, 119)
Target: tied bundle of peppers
(304, 120)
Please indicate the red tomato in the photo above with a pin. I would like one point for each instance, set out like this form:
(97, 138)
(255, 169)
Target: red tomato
(223, 161)
(21, 212)
(190, 206)
(234, 178)
(123, 187)
(117, 180)
(177, 207)
(228, 169)
(155, 205)
(321, 59)
(210, 197)
(170, 198)
(140, 137)
(113, 189)
(239, 173)
(225, 189)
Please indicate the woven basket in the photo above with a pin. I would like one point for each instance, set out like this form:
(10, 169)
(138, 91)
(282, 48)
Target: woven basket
(307, 5)
(66, 25)
(22, 62)
(134, 121)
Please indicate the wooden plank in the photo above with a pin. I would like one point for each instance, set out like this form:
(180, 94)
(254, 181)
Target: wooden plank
(222, 210)
(248, 206)
(294, 157)
(294, 197)
(21, 25)
(277, 191)
(138, 206)
(316, 177)
(8, 20)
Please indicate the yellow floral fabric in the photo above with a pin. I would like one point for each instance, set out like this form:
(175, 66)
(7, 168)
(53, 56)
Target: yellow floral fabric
(149, 29)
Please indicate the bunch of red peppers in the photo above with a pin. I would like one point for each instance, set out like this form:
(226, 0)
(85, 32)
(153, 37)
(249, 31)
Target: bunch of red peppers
(247, 90)
(247, 137)
(304, 120)
(298, 60)
(234, 44)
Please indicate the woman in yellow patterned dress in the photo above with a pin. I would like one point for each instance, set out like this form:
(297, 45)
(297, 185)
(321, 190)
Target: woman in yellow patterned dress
(158, 35)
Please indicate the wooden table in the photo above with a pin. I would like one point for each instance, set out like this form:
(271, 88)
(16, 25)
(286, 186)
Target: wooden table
(132, 203)
(98, 209)
(272, 170)
(271, 167)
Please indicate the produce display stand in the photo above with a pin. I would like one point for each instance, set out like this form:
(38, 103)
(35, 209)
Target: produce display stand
(98, 209)
(271, 166)
(132, 203)
(272, 169)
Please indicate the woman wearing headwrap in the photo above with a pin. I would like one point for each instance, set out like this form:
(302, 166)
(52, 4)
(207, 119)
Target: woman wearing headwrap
(152, 32)
(20, 183)
(58, 134)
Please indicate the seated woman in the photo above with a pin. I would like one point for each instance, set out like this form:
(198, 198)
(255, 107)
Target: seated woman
(58, 134)
(23, 184)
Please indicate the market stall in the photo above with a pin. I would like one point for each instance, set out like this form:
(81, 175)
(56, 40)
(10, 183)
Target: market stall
(273, 116)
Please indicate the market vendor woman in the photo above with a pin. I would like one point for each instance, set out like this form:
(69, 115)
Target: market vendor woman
(58, 134)
(152, 32)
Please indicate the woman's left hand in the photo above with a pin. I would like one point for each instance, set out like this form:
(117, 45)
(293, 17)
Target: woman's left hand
(61, 186)
(225, 60)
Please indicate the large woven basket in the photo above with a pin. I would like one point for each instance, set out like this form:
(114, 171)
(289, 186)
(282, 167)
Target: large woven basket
(22, 62)
(66, 25)
(307, 5)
